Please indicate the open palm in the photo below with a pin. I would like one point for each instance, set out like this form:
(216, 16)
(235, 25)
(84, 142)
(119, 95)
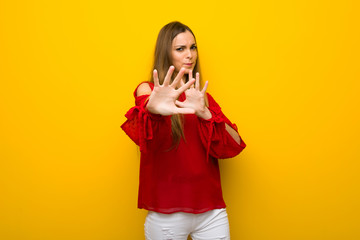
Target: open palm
(162, 98)
(195, 99)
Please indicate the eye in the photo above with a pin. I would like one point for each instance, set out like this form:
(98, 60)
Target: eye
(179, 49)
(193, 47)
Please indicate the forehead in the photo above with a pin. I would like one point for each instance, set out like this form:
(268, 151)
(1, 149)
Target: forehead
(184, 38)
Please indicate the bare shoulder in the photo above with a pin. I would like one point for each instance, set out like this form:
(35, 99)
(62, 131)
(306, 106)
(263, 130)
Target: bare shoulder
(143, 89)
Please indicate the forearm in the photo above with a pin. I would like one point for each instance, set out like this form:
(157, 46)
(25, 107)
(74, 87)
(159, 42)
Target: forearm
(204, 114)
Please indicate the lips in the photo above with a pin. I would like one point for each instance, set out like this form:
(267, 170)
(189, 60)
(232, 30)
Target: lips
(188, 64)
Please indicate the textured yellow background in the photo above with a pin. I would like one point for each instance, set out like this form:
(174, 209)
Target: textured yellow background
(287, 72)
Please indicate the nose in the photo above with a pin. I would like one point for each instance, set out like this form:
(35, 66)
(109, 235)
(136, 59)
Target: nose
(189, 54)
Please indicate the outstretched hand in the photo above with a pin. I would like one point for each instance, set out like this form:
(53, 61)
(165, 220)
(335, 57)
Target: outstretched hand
(162, 98)
(195, 98)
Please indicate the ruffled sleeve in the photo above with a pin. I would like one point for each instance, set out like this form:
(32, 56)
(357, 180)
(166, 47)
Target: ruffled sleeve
(142, 126)
(214, 136)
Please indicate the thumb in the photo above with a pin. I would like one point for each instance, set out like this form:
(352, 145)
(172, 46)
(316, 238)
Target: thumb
(185, 111)
(180, 104)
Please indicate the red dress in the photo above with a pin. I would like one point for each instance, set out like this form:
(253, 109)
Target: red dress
(184, 178)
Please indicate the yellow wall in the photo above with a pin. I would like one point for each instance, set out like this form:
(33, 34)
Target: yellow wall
(287, 72)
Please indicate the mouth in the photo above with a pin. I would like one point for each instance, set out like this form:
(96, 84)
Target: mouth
(188, 64)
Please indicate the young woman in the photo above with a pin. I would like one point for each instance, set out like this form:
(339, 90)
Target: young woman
(181, 132)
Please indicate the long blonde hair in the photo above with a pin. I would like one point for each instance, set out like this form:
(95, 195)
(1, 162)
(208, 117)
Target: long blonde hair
(162, 62)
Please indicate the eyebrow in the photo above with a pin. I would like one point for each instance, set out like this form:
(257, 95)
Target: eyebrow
(184, 45)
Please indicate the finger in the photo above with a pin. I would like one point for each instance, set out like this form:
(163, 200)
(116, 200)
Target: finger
(197, 83)
(182, 83)
(205, 87)
(179, 104)
(155, 77)
(178, 77)
(168, 76)
(186, 85)
(191, 77)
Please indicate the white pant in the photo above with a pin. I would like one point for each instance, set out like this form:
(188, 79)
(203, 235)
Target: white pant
(211, 225)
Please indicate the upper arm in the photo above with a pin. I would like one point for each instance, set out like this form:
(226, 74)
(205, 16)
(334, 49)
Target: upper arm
(143, 89)
(206, 100)
(233, 133)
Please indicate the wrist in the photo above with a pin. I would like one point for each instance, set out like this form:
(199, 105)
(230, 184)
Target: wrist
(204, 113)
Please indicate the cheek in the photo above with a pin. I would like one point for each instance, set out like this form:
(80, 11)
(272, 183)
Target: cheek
(173, 57)
(176, 57)
(176, 60)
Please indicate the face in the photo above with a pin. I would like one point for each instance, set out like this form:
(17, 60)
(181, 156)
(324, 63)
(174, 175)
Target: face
(184, 51)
